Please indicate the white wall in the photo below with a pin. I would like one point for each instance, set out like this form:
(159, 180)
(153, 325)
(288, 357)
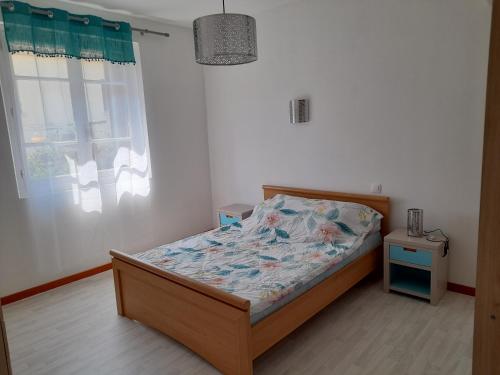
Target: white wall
(397, 93)
(66, 241)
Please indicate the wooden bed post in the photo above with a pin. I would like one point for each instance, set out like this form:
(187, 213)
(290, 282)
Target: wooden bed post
(245, 342)
(118, 289)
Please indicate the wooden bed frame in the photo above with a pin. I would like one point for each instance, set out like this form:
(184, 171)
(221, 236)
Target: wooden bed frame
(216, 324)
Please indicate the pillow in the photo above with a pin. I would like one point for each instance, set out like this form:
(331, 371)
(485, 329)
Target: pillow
(312, 220)
(272, 217)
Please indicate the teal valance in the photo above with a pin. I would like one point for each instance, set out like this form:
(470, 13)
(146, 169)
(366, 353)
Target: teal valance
(55, 32)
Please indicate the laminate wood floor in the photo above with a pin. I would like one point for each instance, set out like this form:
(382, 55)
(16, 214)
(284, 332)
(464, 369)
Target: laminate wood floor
(75, 330)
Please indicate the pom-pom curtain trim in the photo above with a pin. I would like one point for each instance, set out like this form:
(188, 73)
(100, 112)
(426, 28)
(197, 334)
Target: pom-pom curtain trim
(57, 33)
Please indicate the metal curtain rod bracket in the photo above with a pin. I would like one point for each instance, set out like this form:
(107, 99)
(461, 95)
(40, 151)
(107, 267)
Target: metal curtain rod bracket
(11, 7)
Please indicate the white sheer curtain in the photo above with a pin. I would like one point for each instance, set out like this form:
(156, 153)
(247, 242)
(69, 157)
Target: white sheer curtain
(80, 146)
(82, 128)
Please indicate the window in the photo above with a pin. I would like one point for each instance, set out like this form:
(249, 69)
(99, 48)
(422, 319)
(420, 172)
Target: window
(74, 124)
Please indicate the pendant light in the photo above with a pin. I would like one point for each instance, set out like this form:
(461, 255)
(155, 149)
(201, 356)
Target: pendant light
(225, 39)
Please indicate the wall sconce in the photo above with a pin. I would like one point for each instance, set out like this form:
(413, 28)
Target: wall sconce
(299, 111)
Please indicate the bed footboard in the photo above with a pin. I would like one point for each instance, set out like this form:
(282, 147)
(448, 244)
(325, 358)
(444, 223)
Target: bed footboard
(215, 329)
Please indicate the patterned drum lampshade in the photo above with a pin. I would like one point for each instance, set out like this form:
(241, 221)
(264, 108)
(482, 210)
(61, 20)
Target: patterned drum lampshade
(225, 39)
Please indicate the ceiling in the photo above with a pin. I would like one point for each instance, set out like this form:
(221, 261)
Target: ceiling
(183, 11)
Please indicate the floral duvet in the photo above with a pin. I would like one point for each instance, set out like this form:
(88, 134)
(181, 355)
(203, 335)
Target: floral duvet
(286, 243)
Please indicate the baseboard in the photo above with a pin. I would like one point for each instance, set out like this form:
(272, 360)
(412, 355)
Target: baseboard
(463, 289)
(53, 284)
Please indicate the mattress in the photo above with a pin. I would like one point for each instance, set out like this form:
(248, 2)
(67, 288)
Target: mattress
(371, 242)
(267, 272)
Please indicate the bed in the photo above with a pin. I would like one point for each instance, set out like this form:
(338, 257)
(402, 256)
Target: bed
(231, 311)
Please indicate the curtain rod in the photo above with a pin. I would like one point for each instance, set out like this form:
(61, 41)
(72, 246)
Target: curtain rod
(85, 20)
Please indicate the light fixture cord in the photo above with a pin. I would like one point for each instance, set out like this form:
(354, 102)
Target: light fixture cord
(223, 7)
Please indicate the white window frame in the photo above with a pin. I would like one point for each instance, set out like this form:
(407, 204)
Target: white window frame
(16, 137)
(11, 116)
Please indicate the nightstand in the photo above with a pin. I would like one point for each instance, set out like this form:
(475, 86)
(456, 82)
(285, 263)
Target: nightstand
(234, 213)
(415, 266)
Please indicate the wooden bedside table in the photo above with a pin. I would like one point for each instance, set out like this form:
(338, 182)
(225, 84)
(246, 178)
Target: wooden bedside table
(415, 266)
(234, 213)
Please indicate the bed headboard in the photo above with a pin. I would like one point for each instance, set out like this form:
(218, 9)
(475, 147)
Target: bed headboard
(377, 202)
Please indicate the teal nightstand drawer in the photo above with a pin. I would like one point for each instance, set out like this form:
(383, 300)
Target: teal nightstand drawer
(414, 256)
(228, 220)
